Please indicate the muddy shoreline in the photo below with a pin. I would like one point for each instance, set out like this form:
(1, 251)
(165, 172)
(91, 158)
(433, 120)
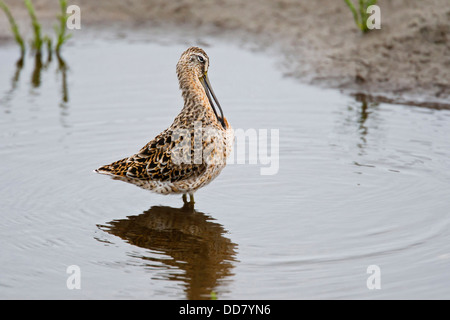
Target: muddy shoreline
(317, 42)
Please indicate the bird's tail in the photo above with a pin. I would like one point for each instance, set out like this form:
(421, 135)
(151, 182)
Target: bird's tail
(117, 168)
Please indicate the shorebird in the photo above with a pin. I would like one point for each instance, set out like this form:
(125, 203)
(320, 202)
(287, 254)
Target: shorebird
(193, 150)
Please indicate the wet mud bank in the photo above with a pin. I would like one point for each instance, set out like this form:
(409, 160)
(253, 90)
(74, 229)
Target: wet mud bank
(317, 42)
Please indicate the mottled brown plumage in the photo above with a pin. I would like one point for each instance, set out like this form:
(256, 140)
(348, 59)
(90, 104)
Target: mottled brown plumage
(193, 150)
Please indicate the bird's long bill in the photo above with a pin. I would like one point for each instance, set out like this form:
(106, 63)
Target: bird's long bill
(209, 91)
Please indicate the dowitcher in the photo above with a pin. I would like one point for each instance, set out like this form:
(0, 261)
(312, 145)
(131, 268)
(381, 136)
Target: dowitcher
(193, 150)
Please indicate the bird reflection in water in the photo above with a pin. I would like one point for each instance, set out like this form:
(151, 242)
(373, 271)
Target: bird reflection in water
(194, 242)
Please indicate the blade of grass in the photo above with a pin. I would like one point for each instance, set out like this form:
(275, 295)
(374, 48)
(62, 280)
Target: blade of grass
(355, 13)
(61, 28)
(360, 16)
(37, 42)
(14, 27)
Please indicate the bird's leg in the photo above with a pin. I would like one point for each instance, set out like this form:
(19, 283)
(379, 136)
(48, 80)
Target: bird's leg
(188, 205)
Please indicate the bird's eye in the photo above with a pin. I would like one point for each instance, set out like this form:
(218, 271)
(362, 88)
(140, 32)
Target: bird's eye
(200, 58)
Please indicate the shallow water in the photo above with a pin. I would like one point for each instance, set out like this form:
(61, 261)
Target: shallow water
(358, 184)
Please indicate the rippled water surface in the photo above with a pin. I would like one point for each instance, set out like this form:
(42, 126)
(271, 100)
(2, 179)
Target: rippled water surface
(357, 184)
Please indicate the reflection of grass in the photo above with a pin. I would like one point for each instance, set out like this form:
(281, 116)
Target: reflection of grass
(48, 41)
(361, 15)
(14, 27)
(62, 67)
(36, 76)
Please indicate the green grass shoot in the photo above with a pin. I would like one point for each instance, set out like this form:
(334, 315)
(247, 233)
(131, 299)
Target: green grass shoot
(38, 41)
(14, 27)
(360, 16)
(60, 28)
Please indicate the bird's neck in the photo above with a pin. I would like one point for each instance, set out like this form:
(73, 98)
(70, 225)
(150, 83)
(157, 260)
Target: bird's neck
(193, 93)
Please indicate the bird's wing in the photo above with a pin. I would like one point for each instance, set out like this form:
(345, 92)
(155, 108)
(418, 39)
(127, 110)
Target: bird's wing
(166, 158)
